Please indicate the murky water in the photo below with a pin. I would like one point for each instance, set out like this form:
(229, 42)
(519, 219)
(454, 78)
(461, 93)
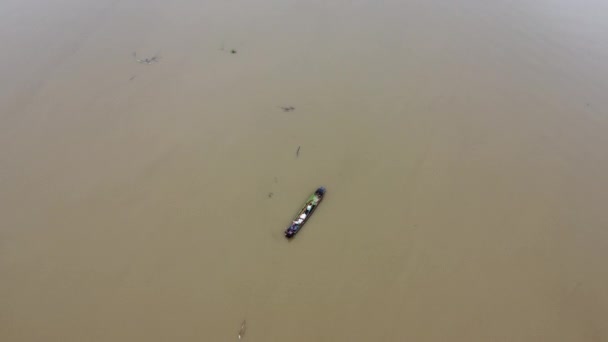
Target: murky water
(462, 143)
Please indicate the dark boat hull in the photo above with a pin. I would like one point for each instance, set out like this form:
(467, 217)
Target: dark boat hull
(295, 227)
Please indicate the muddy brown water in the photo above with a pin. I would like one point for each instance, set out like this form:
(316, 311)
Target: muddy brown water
(463, 145)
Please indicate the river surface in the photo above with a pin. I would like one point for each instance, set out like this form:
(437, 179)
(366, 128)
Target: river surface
(463, 145)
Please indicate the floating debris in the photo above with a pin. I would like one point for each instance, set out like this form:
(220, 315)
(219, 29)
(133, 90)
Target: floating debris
(232, 51)
(132, 78)
(270, 194)
(242, 329)
(150, 60)
(298, 152)
(288, 108)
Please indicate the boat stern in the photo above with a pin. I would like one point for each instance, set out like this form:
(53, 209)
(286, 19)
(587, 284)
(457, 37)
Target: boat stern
(291, 231)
